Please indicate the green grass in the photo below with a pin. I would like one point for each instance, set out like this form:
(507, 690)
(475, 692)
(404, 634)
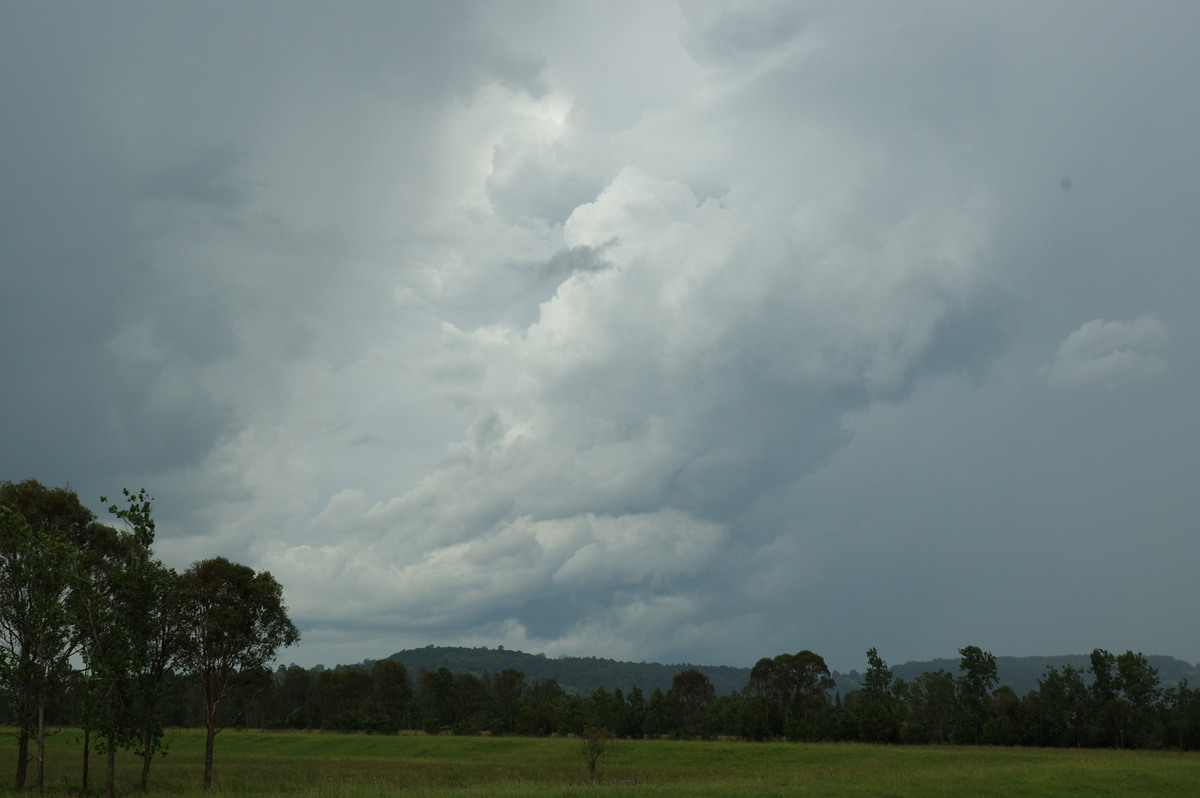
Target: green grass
(361, 766)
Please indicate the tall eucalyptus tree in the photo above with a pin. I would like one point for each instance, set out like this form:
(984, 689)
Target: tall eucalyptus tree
(238, 622)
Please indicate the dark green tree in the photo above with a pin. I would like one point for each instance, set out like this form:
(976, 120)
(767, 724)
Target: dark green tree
(38, 559)
(633, 719)
(974, 690)
(296, 696)
(1005, 725)
(1107, 705)
(809, 681)
(1140, 688)
(1180, 713)
(537, 714)
(876, 705)
(767, 692)
(341, 697)
(391, 691)
(472, 698)
(791, 691)
(132, 628)
(690, 698)
(508, 686)
(657, 723)
(239, 622)
(932, 706)
(1061, 709)
(437, 697)
(110, 596)
(35, 627)
(603, 709)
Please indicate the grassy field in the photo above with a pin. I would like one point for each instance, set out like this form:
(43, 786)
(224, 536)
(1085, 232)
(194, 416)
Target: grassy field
(350, 766)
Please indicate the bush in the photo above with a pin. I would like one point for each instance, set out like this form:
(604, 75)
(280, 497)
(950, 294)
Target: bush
(1000, 730)
(597, 743)
(464, 728)
(378, 724)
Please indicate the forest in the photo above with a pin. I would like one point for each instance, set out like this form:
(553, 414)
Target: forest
(1117, 701)
(97, 635)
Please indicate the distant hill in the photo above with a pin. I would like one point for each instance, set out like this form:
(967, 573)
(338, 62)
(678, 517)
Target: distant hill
(582, 675)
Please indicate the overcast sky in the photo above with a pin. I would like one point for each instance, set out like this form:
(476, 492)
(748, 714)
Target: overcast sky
(689, 332)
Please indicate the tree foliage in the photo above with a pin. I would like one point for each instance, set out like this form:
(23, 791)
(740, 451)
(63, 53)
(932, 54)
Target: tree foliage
(37, 561)
(238, 623)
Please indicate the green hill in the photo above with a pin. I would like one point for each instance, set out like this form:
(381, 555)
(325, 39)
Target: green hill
(582, 675)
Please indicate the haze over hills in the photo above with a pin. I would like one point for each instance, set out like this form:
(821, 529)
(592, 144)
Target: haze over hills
(582, 675)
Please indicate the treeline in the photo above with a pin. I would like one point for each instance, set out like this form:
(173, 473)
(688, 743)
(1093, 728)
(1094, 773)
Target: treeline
(97, 634)
(574, 674)
(582, 675)
(1117, 701)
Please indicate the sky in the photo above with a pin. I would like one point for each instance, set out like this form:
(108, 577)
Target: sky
(690, 332)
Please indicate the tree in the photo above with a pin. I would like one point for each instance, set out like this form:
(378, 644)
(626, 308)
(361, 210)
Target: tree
(974, 692)
(296, 689)
(1124, 691)
(130, 619)
(1061, 709)
(508, 686)
(239, 623)
(656, 723)
(691, 695)
(930, 707)
(789, 689)
(1139, 685)
(596, 746)
(35, 636)
(471, 699)
(154, 601)
(766, 691)
(391, 692)
(633, 719)
(106, 603)
(876, 704)
(1106, 694)
(538, 710)
(807, 681)
(602, 709)
(1180, 710)
(38, 558)
(165, 635)
(342, 697)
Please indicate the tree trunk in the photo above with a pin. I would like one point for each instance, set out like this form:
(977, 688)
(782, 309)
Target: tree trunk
(22, 756)
(87, 752)
(41, 746)
(209, 738)
(212, 693)
(147, 755)
(110, 766)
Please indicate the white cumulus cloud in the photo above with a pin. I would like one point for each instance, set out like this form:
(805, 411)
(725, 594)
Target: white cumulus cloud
(1110, 353)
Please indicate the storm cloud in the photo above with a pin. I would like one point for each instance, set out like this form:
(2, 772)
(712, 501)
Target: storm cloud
(682, 332)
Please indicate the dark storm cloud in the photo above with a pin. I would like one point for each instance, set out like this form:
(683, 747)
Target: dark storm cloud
(208, 177)
(76, 272)
(693, 332)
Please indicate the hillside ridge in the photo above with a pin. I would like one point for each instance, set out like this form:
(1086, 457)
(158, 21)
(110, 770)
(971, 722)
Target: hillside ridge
(582, 675)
